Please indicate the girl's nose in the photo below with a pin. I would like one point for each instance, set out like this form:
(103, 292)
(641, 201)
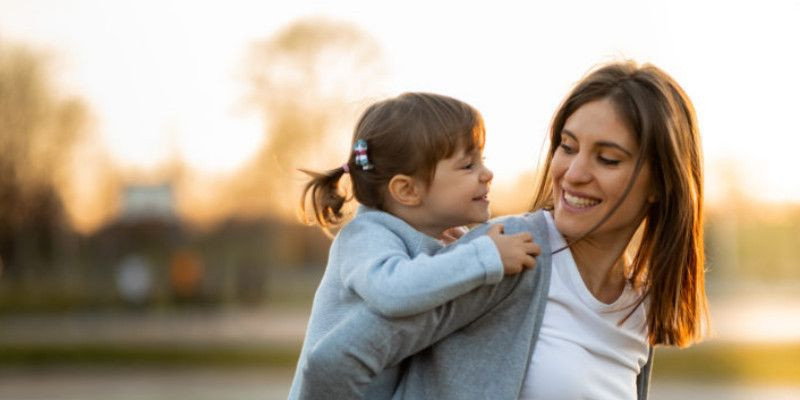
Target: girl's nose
(486, 175)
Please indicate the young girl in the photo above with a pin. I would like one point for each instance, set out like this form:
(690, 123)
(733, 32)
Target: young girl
(416, 169)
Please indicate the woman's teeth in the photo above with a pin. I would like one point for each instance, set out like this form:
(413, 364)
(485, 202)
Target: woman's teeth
(576, 201)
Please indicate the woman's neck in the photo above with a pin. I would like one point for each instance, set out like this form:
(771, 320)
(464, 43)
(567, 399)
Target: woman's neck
(602, 264)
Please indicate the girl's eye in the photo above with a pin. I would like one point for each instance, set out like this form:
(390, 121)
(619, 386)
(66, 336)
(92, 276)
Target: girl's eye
(567, 149)
(469, 166)
(607, 161)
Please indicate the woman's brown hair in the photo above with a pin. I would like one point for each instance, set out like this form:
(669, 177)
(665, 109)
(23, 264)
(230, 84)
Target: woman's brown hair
(668, 263)
(408, 134)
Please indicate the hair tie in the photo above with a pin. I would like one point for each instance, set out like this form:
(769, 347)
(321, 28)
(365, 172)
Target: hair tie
(346, 168)
(361, 159)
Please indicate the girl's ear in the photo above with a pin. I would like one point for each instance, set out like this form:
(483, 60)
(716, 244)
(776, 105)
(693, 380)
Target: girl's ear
(405, 190)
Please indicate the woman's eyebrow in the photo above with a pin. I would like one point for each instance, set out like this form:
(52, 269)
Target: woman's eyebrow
(602, 143)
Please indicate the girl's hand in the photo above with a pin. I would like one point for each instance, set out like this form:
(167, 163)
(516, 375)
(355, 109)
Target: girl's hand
(516, 251)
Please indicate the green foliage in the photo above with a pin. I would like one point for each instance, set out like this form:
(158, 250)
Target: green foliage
(301, 81)
(38, 129)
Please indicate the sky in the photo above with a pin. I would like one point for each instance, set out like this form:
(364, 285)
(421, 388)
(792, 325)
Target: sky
(165, 77)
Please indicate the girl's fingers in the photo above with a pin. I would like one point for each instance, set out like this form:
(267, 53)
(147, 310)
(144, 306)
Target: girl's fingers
(529, 262)
(525, 236)
(532, 248)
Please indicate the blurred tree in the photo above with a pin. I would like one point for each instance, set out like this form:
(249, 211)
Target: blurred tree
(38, 129)
(308, 83)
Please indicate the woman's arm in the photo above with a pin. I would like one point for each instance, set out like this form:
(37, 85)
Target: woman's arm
(377, 266)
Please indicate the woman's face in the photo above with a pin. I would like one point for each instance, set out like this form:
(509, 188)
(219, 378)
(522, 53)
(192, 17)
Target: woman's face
(590, 171)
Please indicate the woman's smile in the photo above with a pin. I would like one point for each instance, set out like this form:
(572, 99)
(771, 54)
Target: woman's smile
(578, 201)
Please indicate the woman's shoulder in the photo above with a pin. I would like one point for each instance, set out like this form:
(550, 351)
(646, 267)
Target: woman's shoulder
(532, 222)
(524, 222)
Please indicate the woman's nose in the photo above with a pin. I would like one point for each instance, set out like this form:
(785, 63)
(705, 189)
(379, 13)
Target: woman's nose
(578, 171)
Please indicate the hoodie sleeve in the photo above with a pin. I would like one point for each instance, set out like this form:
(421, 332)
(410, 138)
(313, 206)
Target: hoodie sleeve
(376, 265)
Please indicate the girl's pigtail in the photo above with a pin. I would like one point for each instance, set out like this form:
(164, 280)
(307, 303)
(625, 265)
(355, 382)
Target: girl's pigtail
(323, 193)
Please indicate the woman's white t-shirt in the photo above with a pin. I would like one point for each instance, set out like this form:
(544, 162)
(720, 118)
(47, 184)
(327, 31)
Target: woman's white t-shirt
(582, 352)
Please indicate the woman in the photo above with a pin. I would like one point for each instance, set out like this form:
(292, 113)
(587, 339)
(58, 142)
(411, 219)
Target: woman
(624, 158)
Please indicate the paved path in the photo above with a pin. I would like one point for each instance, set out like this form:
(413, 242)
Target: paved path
(151, 383)
(120, 383)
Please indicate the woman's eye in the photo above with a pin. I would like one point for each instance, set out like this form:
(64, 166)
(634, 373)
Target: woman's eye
(607, 161)
(567, 149)
(469, 166)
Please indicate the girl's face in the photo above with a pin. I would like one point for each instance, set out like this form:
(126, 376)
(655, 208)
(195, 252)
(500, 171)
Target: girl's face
(457, 194)
(590, 171)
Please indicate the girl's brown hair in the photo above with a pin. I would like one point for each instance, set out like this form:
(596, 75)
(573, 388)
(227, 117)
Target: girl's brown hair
(408, 134)
(669, 261)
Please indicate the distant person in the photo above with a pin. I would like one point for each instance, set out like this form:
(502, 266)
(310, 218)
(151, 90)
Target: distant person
(134, 280)
(417, 171)
(624, 157)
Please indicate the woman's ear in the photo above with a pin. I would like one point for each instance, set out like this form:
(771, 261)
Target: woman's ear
(405, 190)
